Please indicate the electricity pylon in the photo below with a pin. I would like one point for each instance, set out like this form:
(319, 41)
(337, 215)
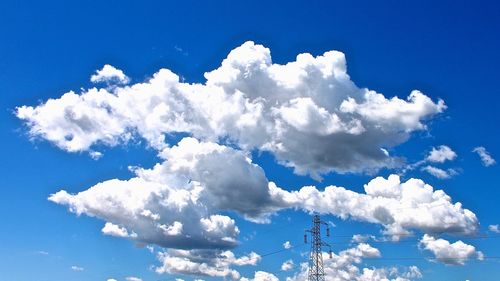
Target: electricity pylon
(316, 270)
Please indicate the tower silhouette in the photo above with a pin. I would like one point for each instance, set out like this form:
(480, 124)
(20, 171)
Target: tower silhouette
(316, 270)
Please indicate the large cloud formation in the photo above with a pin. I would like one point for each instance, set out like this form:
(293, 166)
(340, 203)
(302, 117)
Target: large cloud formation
(179, 202)
(398, 206)
(307, 113)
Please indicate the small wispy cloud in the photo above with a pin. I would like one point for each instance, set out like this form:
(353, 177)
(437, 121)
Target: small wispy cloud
(439, 154)
(362, 238)
(440, 173)
(181, 50)
(287, 265)
(485, 156)
(494, 228)
(95, 155)
(132, 278)
(76, 268)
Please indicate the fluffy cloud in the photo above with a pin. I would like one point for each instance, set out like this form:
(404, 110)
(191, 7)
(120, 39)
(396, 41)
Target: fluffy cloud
(441, 154)
(308, 112)
(450, 253)
(115, 230)
(261, 276)
(439, 173)
(484, 155)
(398, 206)
(287, 245)
(287, 265)
(343, 267)
(109, 74)
(212, 263)
(176, 203)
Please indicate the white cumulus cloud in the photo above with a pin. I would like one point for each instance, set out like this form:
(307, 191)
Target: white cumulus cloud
(450, 253)
(398, 206)
(441, 154)
(116, 230)
(344, 266)
(212, 263)
(307, 113)
(109, 74)
(176, 203)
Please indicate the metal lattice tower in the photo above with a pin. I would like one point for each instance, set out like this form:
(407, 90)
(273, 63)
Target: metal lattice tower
(316, 270)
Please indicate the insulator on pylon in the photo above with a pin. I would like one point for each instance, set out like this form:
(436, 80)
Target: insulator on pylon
(305, 238)
(331, 255)
(328, 232)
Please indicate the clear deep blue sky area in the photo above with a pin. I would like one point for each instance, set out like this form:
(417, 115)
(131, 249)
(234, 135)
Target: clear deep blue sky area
(198, 171)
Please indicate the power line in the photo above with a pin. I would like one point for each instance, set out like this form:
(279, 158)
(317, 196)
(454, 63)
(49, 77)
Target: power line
(451, 232)
(384, 258)
(378, 240)
(282, 250)
(370, 242)
(429, 258)
(375, 241)
(299, 245)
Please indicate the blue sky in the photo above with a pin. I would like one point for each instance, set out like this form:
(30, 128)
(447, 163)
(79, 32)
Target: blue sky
(446, 50)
